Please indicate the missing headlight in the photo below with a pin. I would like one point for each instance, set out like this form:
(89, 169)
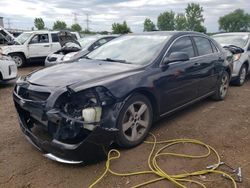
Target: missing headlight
(82, 105)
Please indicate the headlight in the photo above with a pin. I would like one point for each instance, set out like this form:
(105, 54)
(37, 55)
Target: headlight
(74, 104)
(69, 56)
(236, 57)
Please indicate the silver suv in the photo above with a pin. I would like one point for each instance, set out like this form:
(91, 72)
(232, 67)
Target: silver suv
(241, 61)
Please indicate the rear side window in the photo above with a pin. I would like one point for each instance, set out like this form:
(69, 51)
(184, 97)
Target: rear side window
(203, 46)
(55, 37)
(183, 44)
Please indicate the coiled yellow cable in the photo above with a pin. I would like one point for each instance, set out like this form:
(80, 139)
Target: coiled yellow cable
(163, 175)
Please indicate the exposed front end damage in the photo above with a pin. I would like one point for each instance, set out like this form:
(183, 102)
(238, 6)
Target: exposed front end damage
(67, 126)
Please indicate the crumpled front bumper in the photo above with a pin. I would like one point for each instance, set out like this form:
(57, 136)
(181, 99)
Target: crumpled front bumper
(93, 148)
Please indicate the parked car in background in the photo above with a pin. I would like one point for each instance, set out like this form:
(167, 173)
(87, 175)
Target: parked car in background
(33, 45)
(73, 50)
(241, 60)
(73, 112)
(8, 68)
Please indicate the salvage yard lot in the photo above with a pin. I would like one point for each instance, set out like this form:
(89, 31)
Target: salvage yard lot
(224, 125)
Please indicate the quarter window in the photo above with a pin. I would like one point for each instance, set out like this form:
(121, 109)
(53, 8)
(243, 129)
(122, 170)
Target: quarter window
(55, 37)
(183, 44)
(203, 46)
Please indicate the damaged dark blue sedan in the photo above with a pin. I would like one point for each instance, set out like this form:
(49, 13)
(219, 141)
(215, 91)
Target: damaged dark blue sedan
(73, 112)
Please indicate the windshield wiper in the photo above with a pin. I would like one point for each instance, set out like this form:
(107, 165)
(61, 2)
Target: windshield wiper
(116, 60)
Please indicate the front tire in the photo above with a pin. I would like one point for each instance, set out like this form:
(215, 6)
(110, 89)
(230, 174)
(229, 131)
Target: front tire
(222, 87)
(134, 121)
(19, 59)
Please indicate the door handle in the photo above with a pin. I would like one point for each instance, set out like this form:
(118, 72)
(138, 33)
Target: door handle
(197, 64)
(45, 45)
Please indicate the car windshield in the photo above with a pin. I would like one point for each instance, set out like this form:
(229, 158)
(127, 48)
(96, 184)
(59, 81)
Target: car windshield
(87, 41)
(23, 38)
(237, 40)
(134, 49)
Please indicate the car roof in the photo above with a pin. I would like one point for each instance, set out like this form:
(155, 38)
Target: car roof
(45, 31)
(232, 33)
(172, 33)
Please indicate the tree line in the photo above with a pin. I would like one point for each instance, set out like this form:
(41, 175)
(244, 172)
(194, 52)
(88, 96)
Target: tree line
(58, 25)
(190, 20)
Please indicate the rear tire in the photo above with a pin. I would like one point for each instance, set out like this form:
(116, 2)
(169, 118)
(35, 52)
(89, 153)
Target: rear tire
(242, 76)
(19, 59)
(134, 121)
(222, 87)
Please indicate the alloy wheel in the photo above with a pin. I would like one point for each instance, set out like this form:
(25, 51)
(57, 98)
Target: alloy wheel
(224, 85)
(135, 121)
(243, 75)
(18, 60)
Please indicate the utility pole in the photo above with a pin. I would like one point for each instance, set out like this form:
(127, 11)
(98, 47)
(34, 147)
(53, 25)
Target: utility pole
(75, 17)
(87, 21)
(8, 23)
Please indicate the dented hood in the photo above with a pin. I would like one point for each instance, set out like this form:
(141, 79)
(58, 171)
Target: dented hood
(83, 71)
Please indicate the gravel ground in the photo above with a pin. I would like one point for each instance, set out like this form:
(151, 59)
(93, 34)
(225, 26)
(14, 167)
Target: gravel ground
(223, 125)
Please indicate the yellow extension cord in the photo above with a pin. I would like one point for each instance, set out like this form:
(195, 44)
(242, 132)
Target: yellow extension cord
(163, 175)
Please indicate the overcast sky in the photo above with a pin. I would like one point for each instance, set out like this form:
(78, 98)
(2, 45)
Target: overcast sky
(102, 13)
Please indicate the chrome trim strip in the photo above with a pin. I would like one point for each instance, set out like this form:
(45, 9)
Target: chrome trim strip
(55, 158)
(189, 35)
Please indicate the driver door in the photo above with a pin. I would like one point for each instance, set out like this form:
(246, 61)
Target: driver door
(39, 46)
(179, 81)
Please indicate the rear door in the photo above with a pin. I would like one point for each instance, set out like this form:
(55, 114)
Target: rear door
(178, 84)
(207, 58)
(55, 45)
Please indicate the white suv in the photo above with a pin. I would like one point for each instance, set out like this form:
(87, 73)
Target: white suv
(33, 45)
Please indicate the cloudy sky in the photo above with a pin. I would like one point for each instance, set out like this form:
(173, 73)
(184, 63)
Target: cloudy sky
(102, 13)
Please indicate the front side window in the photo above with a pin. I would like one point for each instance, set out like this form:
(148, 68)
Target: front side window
(98, 43)
(183, 44)
(102, 41)
(203, 46)
(134, 49)
(41, 38)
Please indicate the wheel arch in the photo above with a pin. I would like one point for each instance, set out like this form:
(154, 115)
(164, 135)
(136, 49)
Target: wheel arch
(151, 97)
(22, 53)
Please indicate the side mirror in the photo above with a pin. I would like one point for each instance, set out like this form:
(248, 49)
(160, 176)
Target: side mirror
(176, 56)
